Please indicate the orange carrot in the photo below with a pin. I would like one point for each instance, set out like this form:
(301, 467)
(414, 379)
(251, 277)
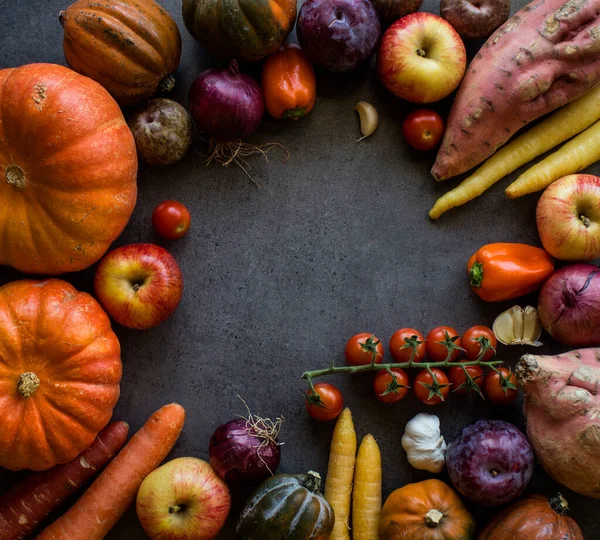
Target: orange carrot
(105, 501)
(24, 506)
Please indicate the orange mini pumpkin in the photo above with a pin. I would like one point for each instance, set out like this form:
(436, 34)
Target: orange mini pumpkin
(60, 368)
(532, 517)
(428, 510)
(68, 169)
(131, 47)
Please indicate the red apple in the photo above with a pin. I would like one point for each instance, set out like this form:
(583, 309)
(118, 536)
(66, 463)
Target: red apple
(568, 218)
(183, 500)
(139, 285)
(421, 58)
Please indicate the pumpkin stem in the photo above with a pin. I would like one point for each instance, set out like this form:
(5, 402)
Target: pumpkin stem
(433, 518)
(559, 504)
(27, 384)
(167, 84)
(15, 176)
(313, 481)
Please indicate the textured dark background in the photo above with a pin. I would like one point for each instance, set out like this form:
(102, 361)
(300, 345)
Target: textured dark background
(337, 241)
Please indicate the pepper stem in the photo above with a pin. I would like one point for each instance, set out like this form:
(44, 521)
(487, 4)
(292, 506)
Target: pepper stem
(476, 274)
(433, 518)
(27, 384)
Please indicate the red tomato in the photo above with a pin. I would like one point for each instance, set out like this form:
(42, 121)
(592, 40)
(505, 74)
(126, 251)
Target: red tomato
(461, 384)
(431, 390)
(171, 220)
(388, 389)
(360, 349)
(477, 338)
(405, 343)
(423, 129)
(325, 404)
(501, 386)
(443, 342)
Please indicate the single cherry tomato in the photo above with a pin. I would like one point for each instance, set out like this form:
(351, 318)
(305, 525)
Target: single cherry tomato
(423, 129)
(171, 220)
(361, 348)
(431, 390)
(463, 384)
(501, 386)
(443, 342)
(390, 389)
(326, 403)
(407, 343)
(478, 339)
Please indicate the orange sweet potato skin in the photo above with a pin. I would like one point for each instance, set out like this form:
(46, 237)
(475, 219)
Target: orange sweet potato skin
(543, 57)
(562, 408)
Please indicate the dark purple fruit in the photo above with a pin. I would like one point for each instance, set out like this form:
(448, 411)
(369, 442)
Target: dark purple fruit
(475, 19)
(390, 11)
(162, 130)
(338, 34)
(490, 462)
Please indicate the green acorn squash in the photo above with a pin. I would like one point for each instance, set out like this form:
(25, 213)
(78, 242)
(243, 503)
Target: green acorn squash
(246, 30)
(287, 507)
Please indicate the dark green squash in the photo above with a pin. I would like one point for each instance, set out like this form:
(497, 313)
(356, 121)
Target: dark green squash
(246, 30)
(287, 507)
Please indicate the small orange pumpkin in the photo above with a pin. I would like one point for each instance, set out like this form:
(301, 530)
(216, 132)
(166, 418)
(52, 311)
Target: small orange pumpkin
(60, 368)
(131, 47)
(68, 169)
(534, 516)
(428, 510)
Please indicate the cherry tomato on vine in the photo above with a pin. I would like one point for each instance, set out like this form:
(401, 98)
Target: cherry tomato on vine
(443, 342)
(405, 343)
(171, 220)
(477, 338)
(390, 389)
(360, 349)
(423, 129)
(431, 390)
(325, 404)
(461, 384)
(501, 386)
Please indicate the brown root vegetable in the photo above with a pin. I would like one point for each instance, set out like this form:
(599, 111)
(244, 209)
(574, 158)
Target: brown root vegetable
(162, 130)
(475, 19)
(562, 400)
(392, 10)
(543, 57)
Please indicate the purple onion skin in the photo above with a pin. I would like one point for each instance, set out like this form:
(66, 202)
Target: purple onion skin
(225, 103)
(338, 34)
(490, 462)
(233, 454)
(569, 305)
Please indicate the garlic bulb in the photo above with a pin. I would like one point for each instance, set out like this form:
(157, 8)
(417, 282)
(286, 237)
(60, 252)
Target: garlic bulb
(518, 326)
(424, 444)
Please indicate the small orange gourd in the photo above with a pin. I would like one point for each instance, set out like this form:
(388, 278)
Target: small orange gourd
(131, 47)
(533, 517)
(60, 368)
(428, 510)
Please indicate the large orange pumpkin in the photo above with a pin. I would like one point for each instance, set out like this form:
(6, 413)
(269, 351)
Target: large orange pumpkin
(68, 169)
(60, 368)
(428, 510)
(130, 47)
(531, 518)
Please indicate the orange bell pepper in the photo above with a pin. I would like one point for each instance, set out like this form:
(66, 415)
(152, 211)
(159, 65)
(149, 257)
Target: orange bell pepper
(505, 271)
(289, 83)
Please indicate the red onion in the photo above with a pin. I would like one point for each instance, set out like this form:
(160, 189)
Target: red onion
(569, 305)
(225, 103)
(245, 451)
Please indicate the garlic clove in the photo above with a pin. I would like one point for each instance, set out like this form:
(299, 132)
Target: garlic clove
(369, 118)
(518, 326)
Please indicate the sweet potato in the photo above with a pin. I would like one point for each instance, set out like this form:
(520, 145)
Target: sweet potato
(543, 57)
(562, 408)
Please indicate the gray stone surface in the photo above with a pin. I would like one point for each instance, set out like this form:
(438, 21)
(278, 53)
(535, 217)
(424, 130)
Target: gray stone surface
(335, 242)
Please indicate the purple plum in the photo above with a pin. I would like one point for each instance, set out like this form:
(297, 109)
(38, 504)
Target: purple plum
(338, 34)
(490, 462)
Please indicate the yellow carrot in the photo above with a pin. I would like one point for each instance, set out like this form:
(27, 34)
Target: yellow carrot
(577, 154)
(366, 497)
(340, 472)
(565, 123)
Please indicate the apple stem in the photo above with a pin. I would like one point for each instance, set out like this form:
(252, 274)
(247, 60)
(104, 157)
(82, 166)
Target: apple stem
(175, 509)
(586, 221)
(421, 52)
